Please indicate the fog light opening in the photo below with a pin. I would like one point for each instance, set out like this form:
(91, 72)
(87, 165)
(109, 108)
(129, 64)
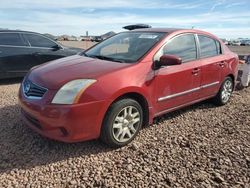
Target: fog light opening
(64, 131)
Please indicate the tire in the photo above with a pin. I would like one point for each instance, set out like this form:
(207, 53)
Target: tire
(122, 123)
(225, 92)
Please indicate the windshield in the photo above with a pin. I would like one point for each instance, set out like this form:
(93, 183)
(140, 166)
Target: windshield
(125, 47)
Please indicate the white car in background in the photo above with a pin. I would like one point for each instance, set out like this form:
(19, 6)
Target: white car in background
(234, 42)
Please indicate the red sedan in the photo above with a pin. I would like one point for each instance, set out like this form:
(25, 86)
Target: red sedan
(115, 87)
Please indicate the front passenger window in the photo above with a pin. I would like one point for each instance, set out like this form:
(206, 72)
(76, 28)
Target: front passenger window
(39, 41)
(183, 46)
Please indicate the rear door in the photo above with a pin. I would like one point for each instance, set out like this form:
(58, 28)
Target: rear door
(179, 84)
(43, 48)
(213, 63)
(14, 54)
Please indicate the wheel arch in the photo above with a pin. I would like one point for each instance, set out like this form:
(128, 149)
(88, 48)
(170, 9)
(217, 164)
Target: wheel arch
(141, 99)
(233, 78)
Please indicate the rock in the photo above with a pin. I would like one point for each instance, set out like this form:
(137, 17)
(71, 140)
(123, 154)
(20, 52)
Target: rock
(106, 159)
(130, 167)
(135, 146)
(51, 168)
(73, 182)
(161, 152)
(147, 169)
(218, 178)
(129, 161)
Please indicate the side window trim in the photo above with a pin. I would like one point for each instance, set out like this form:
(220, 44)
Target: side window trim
(178, 35)
(220, 47)
(198, 49)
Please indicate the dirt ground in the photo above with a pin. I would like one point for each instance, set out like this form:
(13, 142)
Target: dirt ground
(78, 44)
(241, 50)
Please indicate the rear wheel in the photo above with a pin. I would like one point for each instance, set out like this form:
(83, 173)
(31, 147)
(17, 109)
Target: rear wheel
(122, 123)
(225, 92)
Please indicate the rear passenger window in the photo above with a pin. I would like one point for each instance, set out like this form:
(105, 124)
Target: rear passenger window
(39, 41)
(208, 46)
(183, 46)
(11, 39)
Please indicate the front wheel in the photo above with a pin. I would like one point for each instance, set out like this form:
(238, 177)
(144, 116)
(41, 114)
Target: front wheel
(122, 123)
(225, 92)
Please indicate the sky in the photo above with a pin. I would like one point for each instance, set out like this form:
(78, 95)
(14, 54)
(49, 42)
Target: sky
(224, 18)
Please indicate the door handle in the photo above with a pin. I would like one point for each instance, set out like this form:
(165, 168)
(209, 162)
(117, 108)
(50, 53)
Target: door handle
(195, 71)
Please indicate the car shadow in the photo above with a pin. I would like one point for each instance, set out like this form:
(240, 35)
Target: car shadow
(207, 104)
(10, 81)
(22, 148)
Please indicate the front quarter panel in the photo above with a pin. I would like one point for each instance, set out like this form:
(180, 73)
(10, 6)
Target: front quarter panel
(136, 78)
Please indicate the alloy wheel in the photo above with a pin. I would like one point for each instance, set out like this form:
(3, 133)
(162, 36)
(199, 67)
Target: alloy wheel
(227, 91)
(126, 124)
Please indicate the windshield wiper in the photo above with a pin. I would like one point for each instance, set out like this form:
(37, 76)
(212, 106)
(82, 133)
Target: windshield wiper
(107, 58)
(86, 55)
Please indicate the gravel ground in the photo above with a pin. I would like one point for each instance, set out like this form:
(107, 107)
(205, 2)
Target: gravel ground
(199, 146)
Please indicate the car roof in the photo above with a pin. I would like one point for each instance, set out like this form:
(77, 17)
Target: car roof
(175, 30)
(16, 31)
(164, 30)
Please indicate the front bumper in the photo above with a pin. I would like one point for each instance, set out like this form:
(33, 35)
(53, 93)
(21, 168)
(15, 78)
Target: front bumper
(67, 123)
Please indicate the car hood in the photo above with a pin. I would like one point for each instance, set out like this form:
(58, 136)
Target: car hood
(54, 74)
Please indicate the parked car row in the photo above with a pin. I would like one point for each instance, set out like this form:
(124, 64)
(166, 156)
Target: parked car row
(245, 42)
(22, 50)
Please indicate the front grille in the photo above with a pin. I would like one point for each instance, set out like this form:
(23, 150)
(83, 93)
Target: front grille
(32, 90)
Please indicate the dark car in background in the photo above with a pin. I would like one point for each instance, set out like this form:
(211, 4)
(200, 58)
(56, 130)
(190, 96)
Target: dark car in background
(22, 50)
(96, 39)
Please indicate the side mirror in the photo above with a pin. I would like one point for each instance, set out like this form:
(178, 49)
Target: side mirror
(169, 60)
(56, 47)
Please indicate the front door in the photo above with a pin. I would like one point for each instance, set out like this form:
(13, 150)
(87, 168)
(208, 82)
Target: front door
(178, 84)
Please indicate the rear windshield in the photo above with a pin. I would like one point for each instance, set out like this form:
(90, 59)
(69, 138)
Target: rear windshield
(125, 47)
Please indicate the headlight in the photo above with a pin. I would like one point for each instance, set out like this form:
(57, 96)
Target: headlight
(71, 91)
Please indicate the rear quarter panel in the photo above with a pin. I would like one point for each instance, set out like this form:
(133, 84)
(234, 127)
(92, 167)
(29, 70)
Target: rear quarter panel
(232, 63)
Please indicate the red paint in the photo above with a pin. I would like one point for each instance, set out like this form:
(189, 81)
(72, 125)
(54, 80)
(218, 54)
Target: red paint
(83, 121)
